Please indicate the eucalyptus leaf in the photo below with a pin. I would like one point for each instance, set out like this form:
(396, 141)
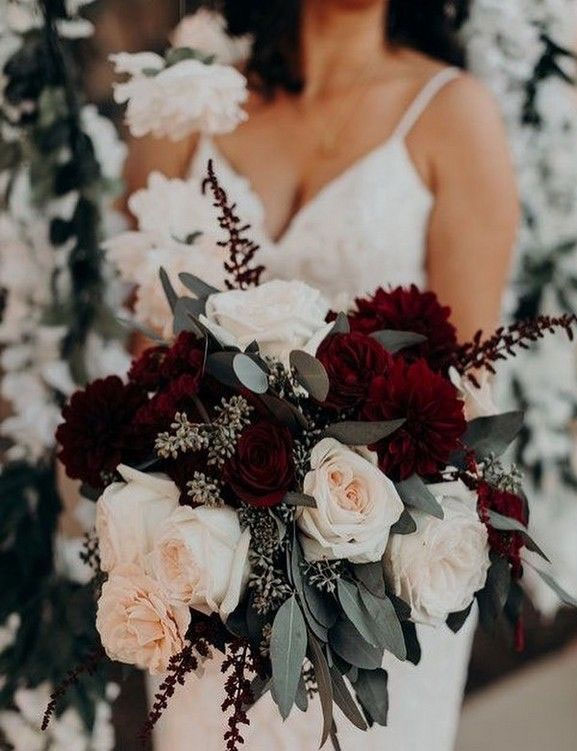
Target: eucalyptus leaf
(456, 621)
(341, 325)
(405, 525)
(372, 691)
(236, 621)
(299, 499)
(372, 575)
(288, 646)
(412, 643)
(494, 434)
(169, 290)
(395, 341)
(324, 684)
(385, 623)
(185, 310)
(345, 701)
(322, 605)
(352, 605)
(250, 374)
(402, 609)
(362, 433)
(311, 374)
(258, 688)
(199, 288)
(561, 593)
(506, 524)
(493, 596)
(284, 412)
(220, 366)
(348, 644)
(417, 495)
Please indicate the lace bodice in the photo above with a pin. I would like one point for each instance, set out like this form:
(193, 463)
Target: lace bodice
(370, 223)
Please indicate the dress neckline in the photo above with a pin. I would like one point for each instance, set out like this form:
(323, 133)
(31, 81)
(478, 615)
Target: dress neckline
(396, 139)
(325, 190)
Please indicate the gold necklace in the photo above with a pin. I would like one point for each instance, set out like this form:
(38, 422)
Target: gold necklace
(329, 137)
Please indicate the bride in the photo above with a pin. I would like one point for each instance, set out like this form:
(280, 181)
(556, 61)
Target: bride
(367, 159)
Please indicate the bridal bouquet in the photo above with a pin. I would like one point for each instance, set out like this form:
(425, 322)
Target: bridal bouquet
(298, 488)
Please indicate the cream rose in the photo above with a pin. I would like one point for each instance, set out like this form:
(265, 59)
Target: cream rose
(128, 514)
(136, 623)
(200, 558)
(437, 569)
(281, 316)
(478, 402)
(356, 505)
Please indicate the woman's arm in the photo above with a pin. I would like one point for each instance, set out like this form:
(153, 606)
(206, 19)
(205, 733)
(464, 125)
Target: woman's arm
(475, 220)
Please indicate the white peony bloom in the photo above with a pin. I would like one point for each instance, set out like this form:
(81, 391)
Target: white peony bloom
(128, 514)
(200, 558)
(188, 97)
(205, 31)
(437, 569)
(280, 315)
(356, 505)
(478, 402)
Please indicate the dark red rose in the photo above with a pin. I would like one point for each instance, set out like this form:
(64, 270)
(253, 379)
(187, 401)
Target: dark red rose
(351, 361)
(506, 544)
(98, 430)
(403, 309)
(434, 418)
(261, 470)
(147, 370)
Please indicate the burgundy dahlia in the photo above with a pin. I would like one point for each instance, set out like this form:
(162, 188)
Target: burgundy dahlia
(434, 418)
(351, 361)
(147, 370)
(409, 309)
(98, 430)
(262, 469)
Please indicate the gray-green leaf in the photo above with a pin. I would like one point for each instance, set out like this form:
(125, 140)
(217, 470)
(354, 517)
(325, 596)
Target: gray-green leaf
(395, 341)
(169, 290)
(299, 499)
(348, 644)
(199, 288)
(385, 623)
(405, 525)
(324, 684)
(345, 701)
(288, 646)
(493, 435)
(362, 433)
(352, 605)
(506, 524)
(311, 374)
(416, 494)
(372, 691)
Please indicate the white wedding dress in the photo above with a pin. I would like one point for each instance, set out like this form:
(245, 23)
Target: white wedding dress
(366, 228)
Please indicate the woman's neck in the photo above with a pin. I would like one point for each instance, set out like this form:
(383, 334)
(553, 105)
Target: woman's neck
(339, 41)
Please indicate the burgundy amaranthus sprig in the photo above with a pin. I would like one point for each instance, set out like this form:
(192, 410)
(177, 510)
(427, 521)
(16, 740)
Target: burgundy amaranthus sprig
(241, 249)
(179, 668)
(483, 353)
(241, 660)
(88, 667)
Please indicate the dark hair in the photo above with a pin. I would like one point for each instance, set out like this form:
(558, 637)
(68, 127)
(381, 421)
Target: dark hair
(429, 26)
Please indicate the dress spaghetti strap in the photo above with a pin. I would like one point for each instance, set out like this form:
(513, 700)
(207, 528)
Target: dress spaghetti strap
(423, 99)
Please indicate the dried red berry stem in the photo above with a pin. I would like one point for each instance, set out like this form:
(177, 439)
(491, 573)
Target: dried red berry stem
(241, 249)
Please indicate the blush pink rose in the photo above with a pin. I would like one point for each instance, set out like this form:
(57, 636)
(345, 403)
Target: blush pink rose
(136, 623)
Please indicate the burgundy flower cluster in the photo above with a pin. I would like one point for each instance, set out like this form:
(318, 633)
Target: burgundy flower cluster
(112, 422)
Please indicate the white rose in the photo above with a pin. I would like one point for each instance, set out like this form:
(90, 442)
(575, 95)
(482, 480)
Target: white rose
(356, 505)
(281, 316)
(200, 558)
(128, 514)
(478, 401)
(437, 569)
(184, 98)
